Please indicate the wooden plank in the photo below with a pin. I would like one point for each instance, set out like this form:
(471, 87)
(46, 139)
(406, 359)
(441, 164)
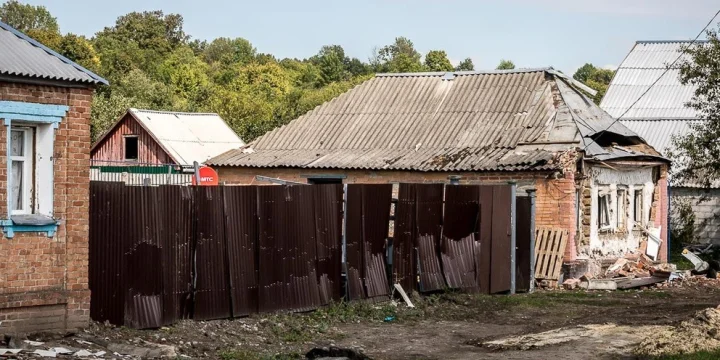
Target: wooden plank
(638, 282)
(555, 275)
(549, 252)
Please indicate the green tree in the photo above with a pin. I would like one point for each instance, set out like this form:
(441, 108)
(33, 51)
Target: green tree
(26, 17)
(186, 75)
(505, 65)
(699, 150)
(80, 50)
(596, 78)
(437, 60)
(139, 40)
(465, 65)
(400, 56)
(230, 51)
(332, 64)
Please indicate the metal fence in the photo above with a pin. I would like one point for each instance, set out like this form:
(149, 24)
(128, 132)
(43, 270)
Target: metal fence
(140, 174)
(163, 253)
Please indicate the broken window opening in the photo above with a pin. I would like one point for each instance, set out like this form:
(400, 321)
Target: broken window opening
(621, 209)
(638, 210)
(131, 148)
(604, 211)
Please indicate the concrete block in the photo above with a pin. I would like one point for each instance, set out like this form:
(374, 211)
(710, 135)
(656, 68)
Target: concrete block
(599, 284)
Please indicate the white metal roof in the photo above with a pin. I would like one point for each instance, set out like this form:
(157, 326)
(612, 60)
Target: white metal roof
(645, 63)
(188, 137)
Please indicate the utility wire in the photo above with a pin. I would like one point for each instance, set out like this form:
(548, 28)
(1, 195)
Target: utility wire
(655, 82)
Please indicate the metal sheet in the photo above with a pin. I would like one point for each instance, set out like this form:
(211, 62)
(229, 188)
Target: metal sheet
(376, 200)
(501, 232)
(458, 258)
(483, 257)
(460, 246)
(328, 208)
(241, 231)
(426, 237)
(212, 288)
(287, 254)
(177, 252)
(404, 263)
(354, 243)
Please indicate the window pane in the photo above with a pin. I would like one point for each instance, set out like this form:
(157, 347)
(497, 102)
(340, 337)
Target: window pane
(17, 145)
(131, 148)
(16, 197)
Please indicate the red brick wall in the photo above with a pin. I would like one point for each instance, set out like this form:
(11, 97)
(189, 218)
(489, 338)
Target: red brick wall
(44, 281)
(555, 203)
(662, 213)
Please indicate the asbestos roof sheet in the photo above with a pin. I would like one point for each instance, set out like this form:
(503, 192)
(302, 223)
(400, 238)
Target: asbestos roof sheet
(188, 137)
(646, 63)
(495, 120)
(22, 56)
(659, 132)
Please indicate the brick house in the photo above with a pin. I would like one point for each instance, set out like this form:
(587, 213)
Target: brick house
(45, 109)
(594, 177)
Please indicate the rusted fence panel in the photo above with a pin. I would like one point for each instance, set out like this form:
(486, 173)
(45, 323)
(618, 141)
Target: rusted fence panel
(177, 207)
(368, 221)
(328, 207)
(212, 289)
(403, 239)
(501, 231)
(460, 247)
(241, 231)
(427, 235)
(286, 261)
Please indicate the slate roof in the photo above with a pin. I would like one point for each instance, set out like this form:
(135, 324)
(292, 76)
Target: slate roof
(23, 57)
(186, 137)
(457, 121)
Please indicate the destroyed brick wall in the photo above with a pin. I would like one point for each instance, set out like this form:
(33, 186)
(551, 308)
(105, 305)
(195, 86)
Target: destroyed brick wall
(44, 281)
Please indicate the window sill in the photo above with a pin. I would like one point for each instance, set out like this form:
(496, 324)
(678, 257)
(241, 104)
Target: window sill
(10, 227)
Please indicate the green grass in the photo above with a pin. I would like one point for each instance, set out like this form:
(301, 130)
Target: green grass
(249, 355)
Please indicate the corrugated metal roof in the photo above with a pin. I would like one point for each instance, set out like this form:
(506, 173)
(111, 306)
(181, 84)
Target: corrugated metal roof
(658, 132)
(22, 56)
(434, 122)
(188, 137)
(645, 63)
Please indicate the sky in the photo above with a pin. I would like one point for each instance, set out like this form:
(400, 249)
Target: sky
(564, 34)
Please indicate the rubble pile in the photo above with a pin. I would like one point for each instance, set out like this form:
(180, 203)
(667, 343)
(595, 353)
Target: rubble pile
(701, 333)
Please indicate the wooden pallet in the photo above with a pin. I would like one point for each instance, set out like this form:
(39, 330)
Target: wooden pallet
(549, 251)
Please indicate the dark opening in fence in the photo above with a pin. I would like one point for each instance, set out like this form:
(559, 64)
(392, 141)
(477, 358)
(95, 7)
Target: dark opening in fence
(163, 253)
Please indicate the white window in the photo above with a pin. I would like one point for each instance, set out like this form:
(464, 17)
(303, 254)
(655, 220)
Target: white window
(604, 211)
(621, 208)
(31, 169)
(638, 213)
(22, 169)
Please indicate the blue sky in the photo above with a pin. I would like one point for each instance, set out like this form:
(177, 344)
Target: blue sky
(533, 33)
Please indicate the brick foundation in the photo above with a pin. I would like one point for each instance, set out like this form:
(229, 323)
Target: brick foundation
(44, 281)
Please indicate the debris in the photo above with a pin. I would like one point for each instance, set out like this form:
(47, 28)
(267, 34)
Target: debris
(61, 350)
(335, 353)
(653, 243)
(616, 268)
(45, 353)
(34, 343)
(700, 333)
(638, 282)
(399, 288)
(571, 284)
(84, 353)
(10, 351)
(599, 284)
(587, 277)
(389, 319)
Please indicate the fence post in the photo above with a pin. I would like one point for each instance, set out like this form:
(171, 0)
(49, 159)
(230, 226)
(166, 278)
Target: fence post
(531, 193)
(343, 246)
(196, 166)
(513, 240)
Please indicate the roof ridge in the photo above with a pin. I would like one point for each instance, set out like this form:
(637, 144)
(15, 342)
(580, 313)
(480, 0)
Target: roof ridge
(172, 112)
(462, 73)
(51, 52)
(668, 41)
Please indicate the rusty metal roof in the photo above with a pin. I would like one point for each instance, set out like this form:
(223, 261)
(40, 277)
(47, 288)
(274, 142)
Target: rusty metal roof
(22, 56)
(457, 121)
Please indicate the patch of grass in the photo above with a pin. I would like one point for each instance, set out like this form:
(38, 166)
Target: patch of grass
(702, 355)
(250, 355)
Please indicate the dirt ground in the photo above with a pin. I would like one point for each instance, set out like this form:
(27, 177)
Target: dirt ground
(542, 325)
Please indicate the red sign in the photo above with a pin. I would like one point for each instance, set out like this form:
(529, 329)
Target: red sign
(208, 177)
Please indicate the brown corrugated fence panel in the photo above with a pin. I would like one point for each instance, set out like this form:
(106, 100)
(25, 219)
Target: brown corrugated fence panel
(177, 252)
(106, 253)
(212, 294)
(287, 260)
(523, 253)
(483, 256)
(429, 221)
(403, 256)
(241, 233)
(328, 205)
(354, 243)
(460, 246)
(501, 233)
(376, 200)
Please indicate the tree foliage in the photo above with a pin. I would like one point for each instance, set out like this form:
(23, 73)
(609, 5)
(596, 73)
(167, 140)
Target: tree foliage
(26, 17)
(505, 65)
(596, 78)
(437, 60)
(465, 65)
(699, 150)
(399, 56)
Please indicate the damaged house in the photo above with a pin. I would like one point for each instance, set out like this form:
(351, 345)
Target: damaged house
(660, 115)
(593, 177)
